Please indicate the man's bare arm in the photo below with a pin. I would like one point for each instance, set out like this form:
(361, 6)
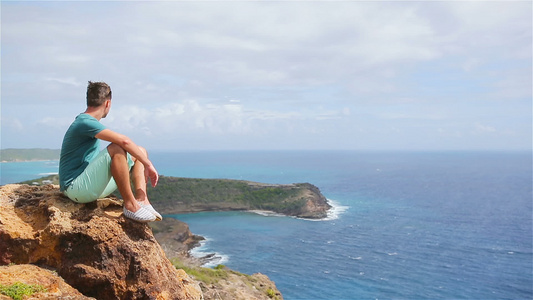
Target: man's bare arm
(129, 146)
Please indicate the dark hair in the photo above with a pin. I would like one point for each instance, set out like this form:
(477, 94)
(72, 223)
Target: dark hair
(97, 93)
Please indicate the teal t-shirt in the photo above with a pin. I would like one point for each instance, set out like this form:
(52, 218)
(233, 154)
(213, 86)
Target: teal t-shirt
(79, 148)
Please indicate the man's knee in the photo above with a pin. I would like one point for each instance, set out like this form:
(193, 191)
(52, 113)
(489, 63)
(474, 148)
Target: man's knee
(115, 149)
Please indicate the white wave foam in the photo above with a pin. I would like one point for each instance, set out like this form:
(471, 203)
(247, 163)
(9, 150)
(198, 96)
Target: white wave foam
(215, 258)
(334, 212)
(46, 174)
(266, 213)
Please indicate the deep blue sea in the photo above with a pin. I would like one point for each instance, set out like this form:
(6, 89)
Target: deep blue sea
(407, 225)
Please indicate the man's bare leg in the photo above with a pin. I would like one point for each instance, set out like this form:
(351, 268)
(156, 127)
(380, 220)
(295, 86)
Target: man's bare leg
(121, 173)
(139, 180)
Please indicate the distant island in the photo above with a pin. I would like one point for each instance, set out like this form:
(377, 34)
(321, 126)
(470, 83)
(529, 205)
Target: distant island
(175, 195)
(34, 154)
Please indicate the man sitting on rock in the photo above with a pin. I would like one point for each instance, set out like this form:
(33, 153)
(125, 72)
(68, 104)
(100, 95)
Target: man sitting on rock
(86, 173)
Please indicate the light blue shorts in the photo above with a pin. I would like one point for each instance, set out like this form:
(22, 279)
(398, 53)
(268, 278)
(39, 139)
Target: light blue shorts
(96, 180)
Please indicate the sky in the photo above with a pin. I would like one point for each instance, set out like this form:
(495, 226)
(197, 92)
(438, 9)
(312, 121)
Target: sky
(273, 75)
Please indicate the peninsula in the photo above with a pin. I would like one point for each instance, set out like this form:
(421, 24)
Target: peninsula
(175, 195)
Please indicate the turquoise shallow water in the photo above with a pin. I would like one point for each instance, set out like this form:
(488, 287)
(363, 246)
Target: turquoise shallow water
(13, 172)
(412, 225)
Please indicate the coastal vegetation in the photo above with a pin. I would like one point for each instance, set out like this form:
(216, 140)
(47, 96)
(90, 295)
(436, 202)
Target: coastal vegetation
(19, 290)
(192, 194)
(205, 275)
(13, 155)
(220, 279)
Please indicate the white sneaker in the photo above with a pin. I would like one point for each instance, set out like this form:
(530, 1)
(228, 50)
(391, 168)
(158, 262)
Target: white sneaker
(151, 209)
(142, 215)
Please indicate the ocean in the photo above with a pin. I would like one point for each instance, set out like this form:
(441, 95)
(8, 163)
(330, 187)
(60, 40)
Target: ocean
(406, 225)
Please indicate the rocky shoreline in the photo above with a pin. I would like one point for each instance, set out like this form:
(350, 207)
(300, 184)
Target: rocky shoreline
(92, 250)
(177, 240)
(89, 251)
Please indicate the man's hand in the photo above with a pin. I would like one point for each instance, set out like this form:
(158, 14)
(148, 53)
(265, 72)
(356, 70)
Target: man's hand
(151, 173)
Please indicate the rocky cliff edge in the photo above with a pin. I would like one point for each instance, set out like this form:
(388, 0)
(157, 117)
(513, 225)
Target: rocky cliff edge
(92, 247)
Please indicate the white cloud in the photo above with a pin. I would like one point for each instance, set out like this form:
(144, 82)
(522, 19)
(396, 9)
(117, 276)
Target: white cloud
(10, 123)
(55, 122)
(484, 128)
(244, 70)
(514, 84)
(212, 119)
(68, 80)
(178, 118)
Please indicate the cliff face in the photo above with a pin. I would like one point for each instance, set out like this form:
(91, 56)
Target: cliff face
(175, 238)
(316, 205)
(92, 247)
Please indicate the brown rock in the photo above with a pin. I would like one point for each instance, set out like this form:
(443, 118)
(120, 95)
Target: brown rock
(175, 237)
(93, 246)
(317, 205)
